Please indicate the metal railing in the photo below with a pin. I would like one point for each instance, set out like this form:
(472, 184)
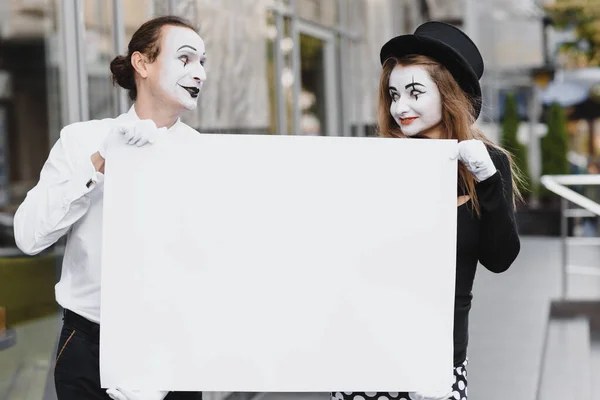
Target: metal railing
(558, 184)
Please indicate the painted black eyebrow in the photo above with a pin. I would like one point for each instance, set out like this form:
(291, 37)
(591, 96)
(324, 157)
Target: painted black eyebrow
(413, 84)
(393, 88)
(185, 45)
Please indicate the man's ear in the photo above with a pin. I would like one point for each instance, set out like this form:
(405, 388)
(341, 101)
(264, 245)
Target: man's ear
(138, 61)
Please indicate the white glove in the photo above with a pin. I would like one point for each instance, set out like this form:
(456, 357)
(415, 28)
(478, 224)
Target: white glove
(474, 155)
(139, 133)
(123, 394)
(430, 396)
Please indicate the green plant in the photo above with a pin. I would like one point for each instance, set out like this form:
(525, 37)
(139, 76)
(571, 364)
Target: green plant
(582, 20)
(555, 144)
(27, 288)
(554, 147)
(509, 140)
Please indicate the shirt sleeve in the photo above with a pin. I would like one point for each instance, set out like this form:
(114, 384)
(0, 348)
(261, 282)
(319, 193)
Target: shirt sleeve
(499, 243)
(59, 199)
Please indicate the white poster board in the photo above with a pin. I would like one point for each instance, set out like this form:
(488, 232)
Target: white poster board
(278, 263)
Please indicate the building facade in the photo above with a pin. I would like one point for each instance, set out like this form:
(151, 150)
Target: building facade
(274, 67)
(286, 67)
(308, 67)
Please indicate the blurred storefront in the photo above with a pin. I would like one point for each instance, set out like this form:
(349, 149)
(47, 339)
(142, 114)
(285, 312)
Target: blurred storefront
(303, 67)
(572, 47)
(275, 67)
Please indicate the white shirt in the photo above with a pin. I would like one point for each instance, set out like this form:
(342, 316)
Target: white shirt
(68, 200)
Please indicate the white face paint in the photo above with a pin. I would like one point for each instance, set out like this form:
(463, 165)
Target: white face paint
(181, 61)
(416, 101)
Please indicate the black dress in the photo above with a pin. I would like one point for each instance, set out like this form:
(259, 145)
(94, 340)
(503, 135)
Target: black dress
(491, 240)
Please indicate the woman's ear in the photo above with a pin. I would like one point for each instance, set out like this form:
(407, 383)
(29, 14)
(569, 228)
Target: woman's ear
(138, 61)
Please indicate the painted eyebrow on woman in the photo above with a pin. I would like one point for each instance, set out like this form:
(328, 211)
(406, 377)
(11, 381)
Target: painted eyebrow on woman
(414, 84)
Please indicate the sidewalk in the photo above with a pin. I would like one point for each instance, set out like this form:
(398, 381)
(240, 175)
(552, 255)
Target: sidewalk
(24, 367)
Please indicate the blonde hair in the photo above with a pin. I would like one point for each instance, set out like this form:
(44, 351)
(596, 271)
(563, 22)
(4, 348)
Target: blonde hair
(457, 116)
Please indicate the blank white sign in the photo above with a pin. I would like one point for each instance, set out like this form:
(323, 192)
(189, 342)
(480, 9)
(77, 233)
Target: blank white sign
(278, 263)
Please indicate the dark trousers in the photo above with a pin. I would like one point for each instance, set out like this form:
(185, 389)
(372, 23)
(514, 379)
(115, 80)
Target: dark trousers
(77, 367)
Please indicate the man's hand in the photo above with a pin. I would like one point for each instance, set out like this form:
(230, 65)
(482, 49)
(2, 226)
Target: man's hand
(137, 133)
(474, 155)
(123, 394)
(98, 162)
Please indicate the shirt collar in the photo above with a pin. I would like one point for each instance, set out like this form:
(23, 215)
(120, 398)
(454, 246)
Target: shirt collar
(131, 115)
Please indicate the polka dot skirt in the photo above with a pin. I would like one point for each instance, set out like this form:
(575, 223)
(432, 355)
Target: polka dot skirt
(459, 390)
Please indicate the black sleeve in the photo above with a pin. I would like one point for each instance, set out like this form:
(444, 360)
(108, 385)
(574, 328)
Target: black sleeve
(499, 242)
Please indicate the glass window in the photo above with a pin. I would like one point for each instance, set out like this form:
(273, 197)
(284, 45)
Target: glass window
(98, 50)
(322, 12)
(271, 34)
(286, 80)
(5, 98)
(319, 96)
(31, 105)
(313, 93)
(30, 101)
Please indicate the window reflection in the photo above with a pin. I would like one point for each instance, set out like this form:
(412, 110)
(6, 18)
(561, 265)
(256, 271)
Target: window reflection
(322, 12)
(30, 118)
(99, 51)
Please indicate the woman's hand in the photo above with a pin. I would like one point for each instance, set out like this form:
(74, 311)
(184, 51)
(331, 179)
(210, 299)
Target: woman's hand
(430, 396)
(474, 155)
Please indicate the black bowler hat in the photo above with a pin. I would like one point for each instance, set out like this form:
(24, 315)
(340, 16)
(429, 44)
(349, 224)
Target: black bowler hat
(449, 46)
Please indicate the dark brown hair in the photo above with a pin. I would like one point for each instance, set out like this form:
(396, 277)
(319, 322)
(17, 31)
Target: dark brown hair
(457, 116)
(145, 40)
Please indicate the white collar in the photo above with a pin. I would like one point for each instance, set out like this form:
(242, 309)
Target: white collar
(132, 116)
